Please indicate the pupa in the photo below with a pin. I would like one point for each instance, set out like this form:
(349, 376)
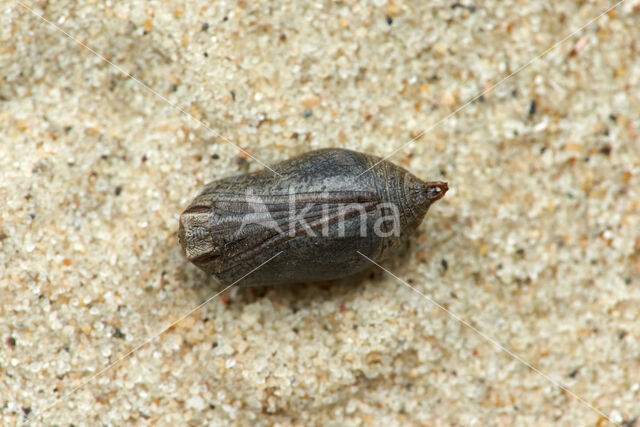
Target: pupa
(311, 220)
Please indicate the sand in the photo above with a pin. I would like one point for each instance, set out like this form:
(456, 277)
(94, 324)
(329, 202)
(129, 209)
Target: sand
(536, 245)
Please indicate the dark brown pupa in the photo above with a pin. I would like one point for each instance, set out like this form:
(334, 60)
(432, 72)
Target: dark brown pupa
(312, 218)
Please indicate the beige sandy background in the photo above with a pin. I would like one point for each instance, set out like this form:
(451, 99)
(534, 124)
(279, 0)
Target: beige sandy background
(537, 243)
